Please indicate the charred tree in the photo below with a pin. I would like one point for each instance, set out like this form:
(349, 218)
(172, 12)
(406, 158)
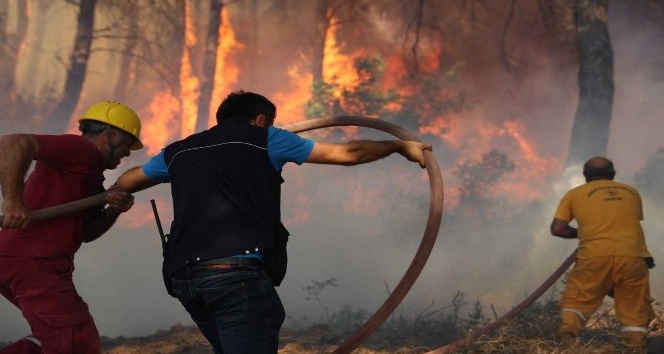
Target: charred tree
(39, 9)
(173, 53)
(125, 74)
(590, 132)
(4, 69)
(247, 31)
(58, 120)
(416, 41)
(322, 22)
(209, 64)
(10, 45)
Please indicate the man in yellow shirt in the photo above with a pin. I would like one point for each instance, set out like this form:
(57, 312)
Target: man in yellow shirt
(612, 255)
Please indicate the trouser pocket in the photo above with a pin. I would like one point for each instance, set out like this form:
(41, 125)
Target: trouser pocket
(66, 330)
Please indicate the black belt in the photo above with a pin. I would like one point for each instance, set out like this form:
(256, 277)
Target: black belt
(235, 260)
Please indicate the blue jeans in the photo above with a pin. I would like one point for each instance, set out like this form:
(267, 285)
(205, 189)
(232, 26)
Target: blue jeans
(238, 310)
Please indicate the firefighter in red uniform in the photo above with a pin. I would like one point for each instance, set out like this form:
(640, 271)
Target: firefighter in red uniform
(36, 258)
(612, 255)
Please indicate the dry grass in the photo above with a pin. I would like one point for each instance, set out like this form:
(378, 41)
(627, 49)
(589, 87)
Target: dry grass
(530, 335)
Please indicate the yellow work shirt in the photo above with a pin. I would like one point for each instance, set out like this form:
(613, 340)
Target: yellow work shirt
(608, 215)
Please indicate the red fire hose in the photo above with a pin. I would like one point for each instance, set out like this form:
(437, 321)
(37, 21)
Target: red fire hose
(428, 239)
(66, 209)
(430, 231)
(512, 313)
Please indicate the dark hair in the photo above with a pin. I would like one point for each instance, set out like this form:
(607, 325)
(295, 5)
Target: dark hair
(598, 168)
(245, 106)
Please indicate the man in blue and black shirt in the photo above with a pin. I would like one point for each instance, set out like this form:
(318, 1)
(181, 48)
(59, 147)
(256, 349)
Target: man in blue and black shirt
(225, 184)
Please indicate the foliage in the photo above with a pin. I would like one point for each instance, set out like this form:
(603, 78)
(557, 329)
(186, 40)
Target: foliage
(314, 291)
(424, 327)
(422, 99)
(348, 318)
(478, 176)
(430, 96)
(366, 98)
(322, 100)
(539, 320)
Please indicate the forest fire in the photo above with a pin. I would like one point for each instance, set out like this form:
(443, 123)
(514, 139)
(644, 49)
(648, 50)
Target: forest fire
(290, 102)
(226, 72)
(338, 67)
(492, 85)
(456, 131)
(162, 123)
(189, 83)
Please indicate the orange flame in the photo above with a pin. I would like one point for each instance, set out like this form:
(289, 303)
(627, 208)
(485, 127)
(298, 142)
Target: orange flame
(189, 84)
(338, 68)
(162, 124)
(226, 73)
(474, 136)
(532, 168)
(290, 102)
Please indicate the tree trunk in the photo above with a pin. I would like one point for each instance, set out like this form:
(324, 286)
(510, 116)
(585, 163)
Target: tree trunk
(4, 48)
(209, 64)
(58, 120)
(125, 77)
(10, 45)
(31, 68)
(174, 61)
(322, 26)
(590, 133)
(253, 45)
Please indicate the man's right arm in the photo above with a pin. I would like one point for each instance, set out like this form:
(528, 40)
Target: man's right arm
(16, 154)
(134, 180)
(561, 228)
(363, 151)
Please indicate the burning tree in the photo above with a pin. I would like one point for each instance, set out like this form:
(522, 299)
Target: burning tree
(366, 98)
(77, 67)
(590, 134)
(479, 176)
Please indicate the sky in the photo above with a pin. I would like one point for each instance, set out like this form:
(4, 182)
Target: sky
(362, 225)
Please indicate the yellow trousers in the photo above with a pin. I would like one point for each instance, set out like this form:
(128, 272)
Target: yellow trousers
(591, 279)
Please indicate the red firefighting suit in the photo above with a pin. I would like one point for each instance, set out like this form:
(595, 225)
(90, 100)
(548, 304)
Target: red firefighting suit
(36, 263)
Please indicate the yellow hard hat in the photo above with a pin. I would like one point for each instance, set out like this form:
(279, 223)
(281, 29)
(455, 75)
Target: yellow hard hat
(118, 115)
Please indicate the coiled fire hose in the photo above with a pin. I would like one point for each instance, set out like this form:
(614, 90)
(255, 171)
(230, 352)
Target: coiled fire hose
(428, 239)
(430, 231)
